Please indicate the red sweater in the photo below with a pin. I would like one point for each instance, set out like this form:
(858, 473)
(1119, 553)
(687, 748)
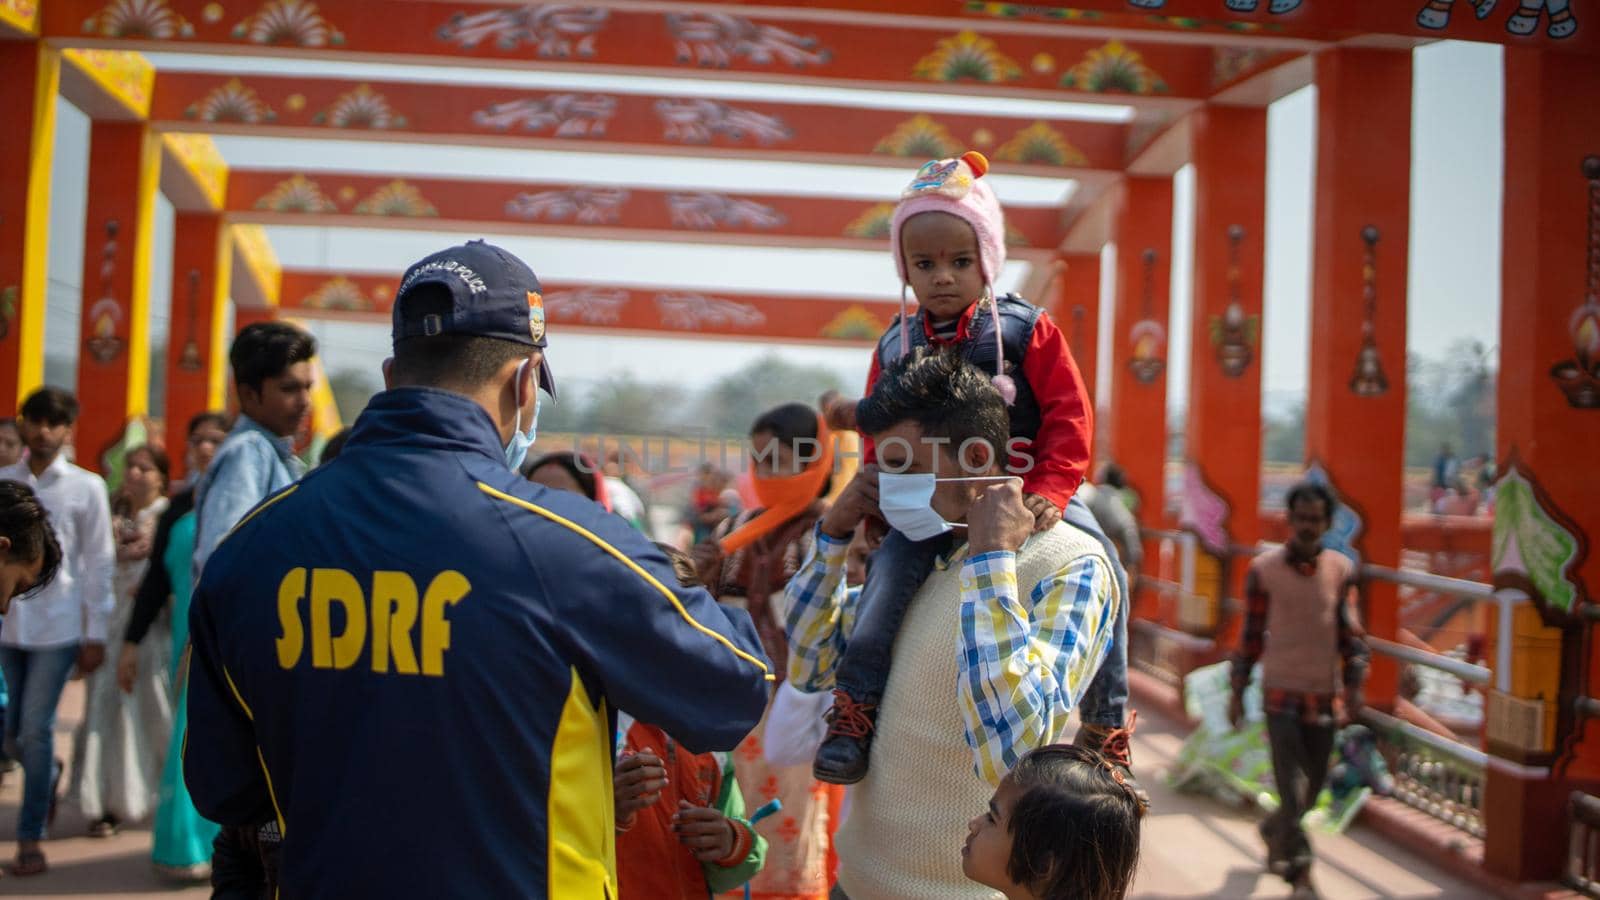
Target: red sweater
(1061, 452)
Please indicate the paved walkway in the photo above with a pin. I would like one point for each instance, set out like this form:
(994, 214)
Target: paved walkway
(1193, 846)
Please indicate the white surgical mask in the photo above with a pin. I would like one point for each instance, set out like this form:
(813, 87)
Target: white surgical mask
(521, 441)
(906, 501)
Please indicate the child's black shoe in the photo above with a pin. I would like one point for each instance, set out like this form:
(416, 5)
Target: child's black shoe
(843, 756)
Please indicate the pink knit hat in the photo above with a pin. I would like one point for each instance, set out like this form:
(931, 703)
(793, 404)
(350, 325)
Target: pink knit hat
(956, 186)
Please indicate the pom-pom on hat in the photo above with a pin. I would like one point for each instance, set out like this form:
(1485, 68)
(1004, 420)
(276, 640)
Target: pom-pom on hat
(955, 186)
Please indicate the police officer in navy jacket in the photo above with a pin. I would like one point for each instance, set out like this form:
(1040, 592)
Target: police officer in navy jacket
(410, 663)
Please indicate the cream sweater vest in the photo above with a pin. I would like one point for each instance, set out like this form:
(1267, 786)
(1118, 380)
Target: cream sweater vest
(908, 817)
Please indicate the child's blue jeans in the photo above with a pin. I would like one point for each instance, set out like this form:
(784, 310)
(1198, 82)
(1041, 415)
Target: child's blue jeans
(899, 568)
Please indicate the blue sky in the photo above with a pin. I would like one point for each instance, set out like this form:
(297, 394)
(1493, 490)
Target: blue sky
(1453, 290)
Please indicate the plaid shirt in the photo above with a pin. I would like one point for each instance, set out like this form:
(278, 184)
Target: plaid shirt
(1024, 664)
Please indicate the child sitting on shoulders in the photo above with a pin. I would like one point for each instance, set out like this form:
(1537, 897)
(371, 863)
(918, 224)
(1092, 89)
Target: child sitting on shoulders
(1063, 825)
(948, 240)
(681, 832)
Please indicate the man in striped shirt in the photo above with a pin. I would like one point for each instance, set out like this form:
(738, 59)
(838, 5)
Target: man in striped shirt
(1016, 622)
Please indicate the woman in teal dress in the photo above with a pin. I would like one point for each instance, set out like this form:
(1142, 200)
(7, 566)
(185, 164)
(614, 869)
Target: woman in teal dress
(182, 838)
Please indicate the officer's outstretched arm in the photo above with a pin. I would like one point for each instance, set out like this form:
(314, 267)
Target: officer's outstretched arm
(669, 655)
(224, 773)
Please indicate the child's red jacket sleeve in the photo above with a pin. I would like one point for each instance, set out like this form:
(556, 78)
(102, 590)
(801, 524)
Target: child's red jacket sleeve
(1066, 430)
(869, 453)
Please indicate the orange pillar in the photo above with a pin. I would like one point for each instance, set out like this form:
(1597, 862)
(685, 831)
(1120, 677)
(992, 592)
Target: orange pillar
(1222, 479)
(32, 74)
(114, 357)
(247, 315)
(1074, 304)
(1139, 339)
(1547, 502)
(1356, 404)
(197, 346)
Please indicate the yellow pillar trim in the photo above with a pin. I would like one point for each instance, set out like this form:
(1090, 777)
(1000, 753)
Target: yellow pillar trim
(217, 365)
(125, 76)
(36, 228)
(255, 249)
(199, 157)
(139, 297)
(23, 15)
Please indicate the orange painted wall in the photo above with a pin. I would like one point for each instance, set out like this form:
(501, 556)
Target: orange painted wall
(1073, 301)
(19, 67)
(1363, 180)
(1139, 339)
(1224, 416)
(189, 344)
(110, 246)
(1549, 407)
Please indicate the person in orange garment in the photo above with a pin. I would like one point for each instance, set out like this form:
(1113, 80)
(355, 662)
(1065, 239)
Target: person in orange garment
(681, 831)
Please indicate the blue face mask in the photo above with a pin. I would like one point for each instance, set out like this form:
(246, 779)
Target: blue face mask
(521, 441)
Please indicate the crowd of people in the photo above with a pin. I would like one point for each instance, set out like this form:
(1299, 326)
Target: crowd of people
(858, 686)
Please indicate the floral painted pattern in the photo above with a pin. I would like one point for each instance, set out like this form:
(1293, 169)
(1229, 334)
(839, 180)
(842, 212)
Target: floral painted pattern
(231, 102)
(856, 323)
(360, 108)
(1114, 68)
(339, 294)
(873, 223)
(297, 194)
(397, 198)
(555, 30)
(717, 40)
(149, 19)
(292, 23)
(1039, 144)
(919, 137)
(968, 56)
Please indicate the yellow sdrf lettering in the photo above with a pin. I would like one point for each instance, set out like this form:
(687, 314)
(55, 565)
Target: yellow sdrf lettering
(447, 589)
(394, 614)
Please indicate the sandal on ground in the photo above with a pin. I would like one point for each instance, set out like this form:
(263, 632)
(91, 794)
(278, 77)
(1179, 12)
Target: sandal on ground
(29, 863)
(104, 827)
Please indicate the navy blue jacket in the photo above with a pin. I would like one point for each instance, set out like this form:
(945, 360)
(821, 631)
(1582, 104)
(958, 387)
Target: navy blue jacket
(412, 661)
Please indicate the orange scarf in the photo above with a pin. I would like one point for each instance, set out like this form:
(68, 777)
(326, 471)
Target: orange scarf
(784, 498)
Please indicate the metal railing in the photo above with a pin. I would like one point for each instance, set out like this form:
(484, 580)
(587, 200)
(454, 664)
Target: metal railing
(1582, 871)
(1432, 773)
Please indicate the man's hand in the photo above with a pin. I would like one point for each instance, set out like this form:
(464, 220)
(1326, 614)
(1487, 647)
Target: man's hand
(857, 501)
(706, 832)
(90, 656)
(707, 556)
(1045, 512)
(637, 783)
(128, 667)
(839, 413)
(999, 520)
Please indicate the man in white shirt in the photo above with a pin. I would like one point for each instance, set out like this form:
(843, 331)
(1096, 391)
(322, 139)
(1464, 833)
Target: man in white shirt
(65, 624)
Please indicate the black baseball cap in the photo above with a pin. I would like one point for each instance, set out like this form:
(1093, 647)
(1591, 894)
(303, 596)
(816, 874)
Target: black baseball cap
(493, 294)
